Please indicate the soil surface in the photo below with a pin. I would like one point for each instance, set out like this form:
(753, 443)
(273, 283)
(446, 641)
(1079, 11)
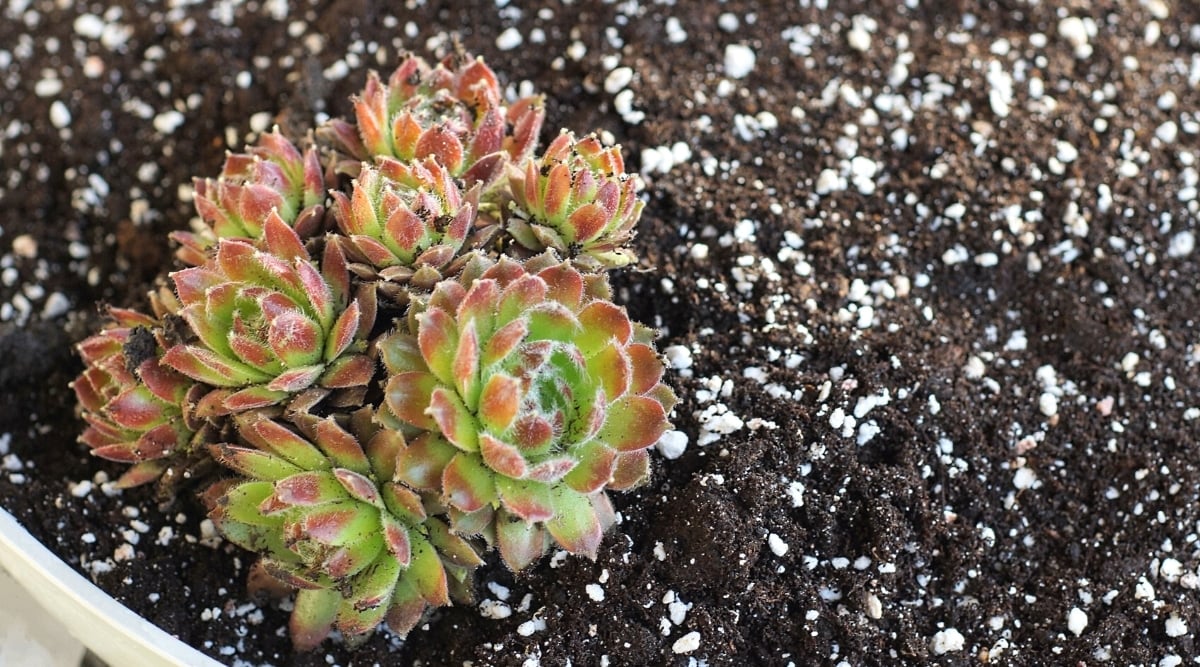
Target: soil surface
(926, 279)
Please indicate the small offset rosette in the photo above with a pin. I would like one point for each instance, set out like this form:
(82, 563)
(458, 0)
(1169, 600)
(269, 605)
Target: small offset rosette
(536, 394)
(451, 112)
(320, 504)
(133, 404)
(576, 199)
(270, 323)
(404, 223)
(272, 175)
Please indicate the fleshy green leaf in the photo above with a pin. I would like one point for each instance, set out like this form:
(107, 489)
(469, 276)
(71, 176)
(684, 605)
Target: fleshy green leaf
(395, 537)
(551, 320)
(295, 380)
(422, 463)
(340, 523)
(499, 402)
(343, 332)
(281, 240)
(596, 464)
(357, 625)
(208, 367)
(647, 368)
(359, 486)
(634, 422)
(383, 450)
(406, 606)
(502, 457)
(350, 558)
(348, 370)
(452, 547)
(340, 446)
(253, 463)
(428, 574)
(503, 342)
(586, 223)
(466, 364)
(137, 409)
(307, 489)
(466, 484)
(612, 366)
(551, 470)
(602, 321)
(249, 398)
(407, 395)
(454, 420)
(575, 526)
(295, 339)
(478, 307)
(272, 436)
(372, 588)
(312, 618)
(520, 543)
(531, 501)
(438, 339)
(519, 296)
(564, 285)
(632, 469)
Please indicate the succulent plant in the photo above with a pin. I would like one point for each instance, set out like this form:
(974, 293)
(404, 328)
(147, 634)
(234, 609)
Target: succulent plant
(451, 112)
(401, 219)
(133, 404)
(269, 323)
(513, 393)
(577, 199)
(330, 519)
(271, 176)
(543, 394)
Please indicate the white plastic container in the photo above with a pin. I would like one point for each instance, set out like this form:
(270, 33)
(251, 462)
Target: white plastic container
(106, 627)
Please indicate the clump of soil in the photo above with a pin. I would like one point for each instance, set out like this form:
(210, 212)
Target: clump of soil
(926, 280)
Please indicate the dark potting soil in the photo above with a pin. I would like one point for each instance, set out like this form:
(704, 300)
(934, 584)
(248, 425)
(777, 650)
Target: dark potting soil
(926, 277)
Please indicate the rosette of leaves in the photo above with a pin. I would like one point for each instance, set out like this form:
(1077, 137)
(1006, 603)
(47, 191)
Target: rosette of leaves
(542, 394)
(136, 408)
(576, 199)
(330, 519)
(270, 323)
(451, 112)
(272, 175)
(404, 223)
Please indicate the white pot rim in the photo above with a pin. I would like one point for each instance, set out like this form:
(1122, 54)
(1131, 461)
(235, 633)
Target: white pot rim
(107, 627)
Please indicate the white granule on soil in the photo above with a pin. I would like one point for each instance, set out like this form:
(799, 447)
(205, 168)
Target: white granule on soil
(687, 643)
(777, 545)
(509, 39)
(494, 609)
(672, 444)
(739, 60)
(946, 641)
(1176, 626)
(1077, 620)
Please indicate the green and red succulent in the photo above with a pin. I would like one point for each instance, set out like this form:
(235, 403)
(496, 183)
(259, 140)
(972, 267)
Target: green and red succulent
(330, 518)
(405, 221)
(577, 199)
(270, 323)
(543, 394)
(137, 409)
(375, 448)
(271, 176)
(451, 112)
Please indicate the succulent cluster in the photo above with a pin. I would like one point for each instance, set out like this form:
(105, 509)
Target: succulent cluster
(393, 351)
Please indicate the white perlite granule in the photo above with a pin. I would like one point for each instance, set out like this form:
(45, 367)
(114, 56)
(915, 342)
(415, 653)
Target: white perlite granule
(1077, 620)
(687, 643)
(947, 641)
